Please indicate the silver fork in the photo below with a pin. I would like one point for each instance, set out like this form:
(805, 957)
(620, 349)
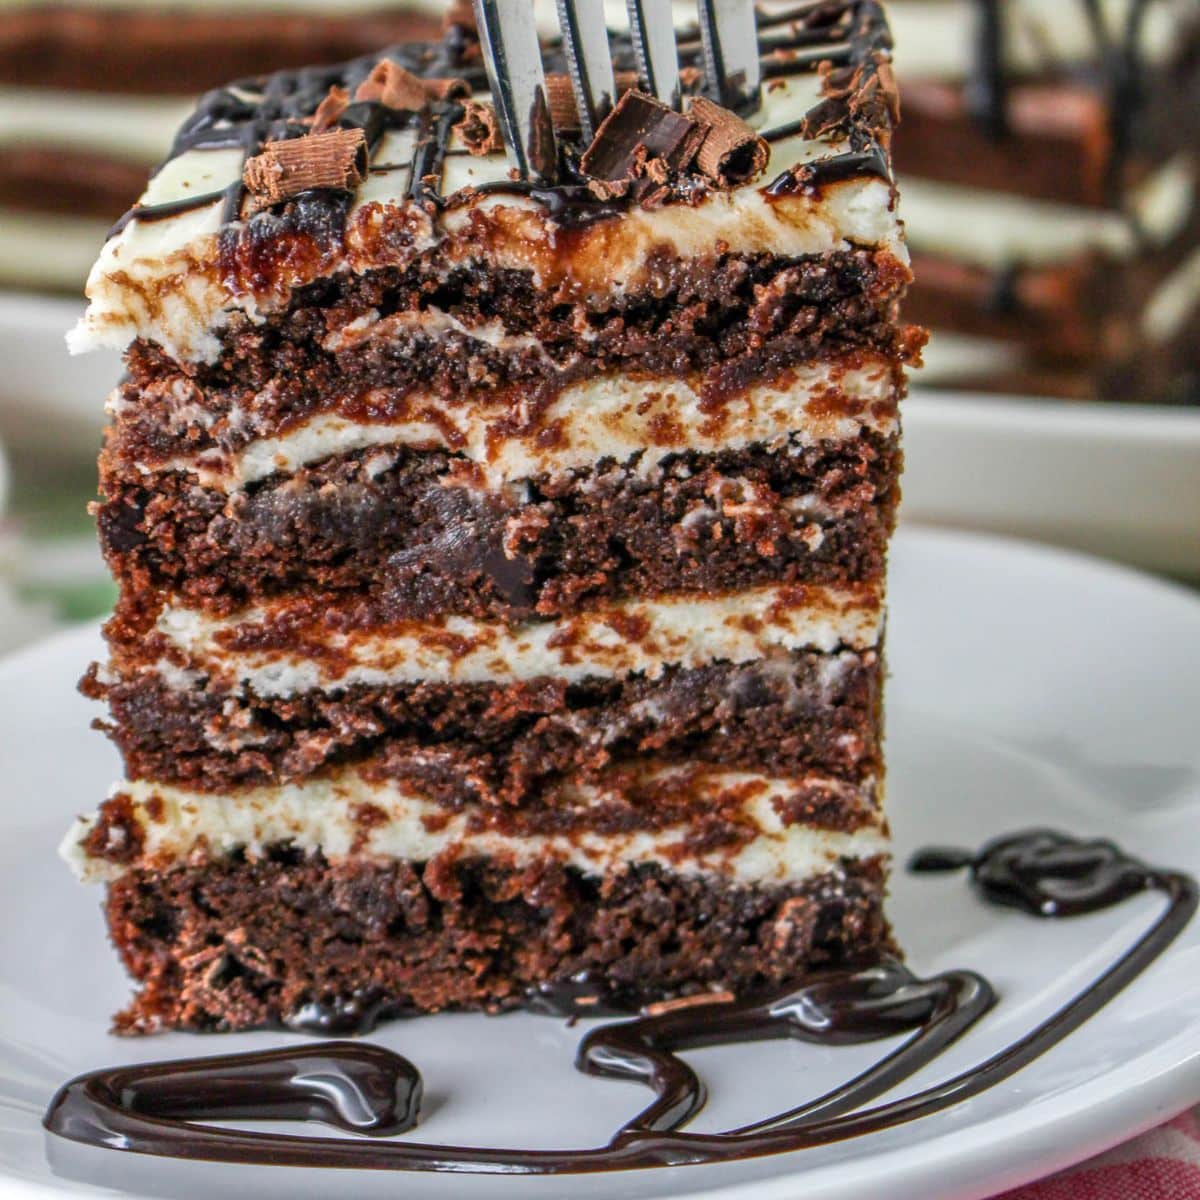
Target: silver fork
(508, 36)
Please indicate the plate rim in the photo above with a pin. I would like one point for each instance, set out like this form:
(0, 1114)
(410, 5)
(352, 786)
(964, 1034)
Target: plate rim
(1024, 1144)
(1048, 416)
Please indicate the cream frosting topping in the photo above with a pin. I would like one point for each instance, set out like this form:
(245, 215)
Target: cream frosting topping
(160, 279)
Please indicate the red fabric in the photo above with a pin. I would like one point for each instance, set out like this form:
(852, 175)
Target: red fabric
(1163, 1164)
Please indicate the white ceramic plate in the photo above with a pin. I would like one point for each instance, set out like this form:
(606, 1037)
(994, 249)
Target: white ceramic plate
(1029, 688)
(1117, 480)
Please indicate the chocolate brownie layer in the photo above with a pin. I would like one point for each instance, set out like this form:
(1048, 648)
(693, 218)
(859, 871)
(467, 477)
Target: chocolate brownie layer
(462, 743)
(1062, 140)
(51, 179)
(393, 521)
(237, 944)
(159, 51)
(740, 320)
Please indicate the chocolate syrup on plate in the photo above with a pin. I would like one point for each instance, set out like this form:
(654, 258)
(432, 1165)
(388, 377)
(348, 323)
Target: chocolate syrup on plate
(159, 1108)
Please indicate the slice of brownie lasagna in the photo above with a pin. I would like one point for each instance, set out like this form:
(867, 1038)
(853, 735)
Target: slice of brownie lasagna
(501, 564)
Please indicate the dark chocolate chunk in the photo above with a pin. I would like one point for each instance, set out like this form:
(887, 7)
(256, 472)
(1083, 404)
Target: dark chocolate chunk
(640, 129)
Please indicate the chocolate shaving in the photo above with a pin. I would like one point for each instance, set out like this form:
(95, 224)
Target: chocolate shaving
(731, 152)
(447, 89)
(608, 189)
(336, 101)
(853, 97)
(335, 159)
(640, 121)
(889, 91)
(560, 96)
(391, 85)
(564, 112)
(479, 128)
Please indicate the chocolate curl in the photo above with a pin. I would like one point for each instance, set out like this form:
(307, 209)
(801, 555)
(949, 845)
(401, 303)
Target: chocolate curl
(392, 86)
(447, 89)
(560, 95)
(731, 152)
(888, 89)
(638, 129)
(479, 128)
(336, 159)
(336, 101)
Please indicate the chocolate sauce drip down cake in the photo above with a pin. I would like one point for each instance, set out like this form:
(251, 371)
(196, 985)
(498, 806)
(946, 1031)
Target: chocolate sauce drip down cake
(502, 564)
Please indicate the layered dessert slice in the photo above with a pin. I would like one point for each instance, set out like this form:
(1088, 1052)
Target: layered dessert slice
(1049, 163)
(502, 564)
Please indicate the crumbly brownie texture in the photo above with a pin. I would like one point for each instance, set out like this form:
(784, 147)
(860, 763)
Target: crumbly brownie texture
(330, 947)
(392, 519)
(501, 566)
(502, 743)
(732, 319)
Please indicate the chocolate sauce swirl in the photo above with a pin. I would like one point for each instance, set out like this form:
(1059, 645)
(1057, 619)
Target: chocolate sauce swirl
(1046, 874)
(159, 1108)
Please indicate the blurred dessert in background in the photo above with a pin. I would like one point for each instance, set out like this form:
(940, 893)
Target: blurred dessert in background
(91, 93)
(1048, 156)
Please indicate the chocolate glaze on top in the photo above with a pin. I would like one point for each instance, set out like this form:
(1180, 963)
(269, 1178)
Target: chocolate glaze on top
(251, 112)
(157, 1109)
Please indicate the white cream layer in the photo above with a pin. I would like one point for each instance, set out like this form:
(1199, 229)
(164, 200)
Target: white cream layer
(994, 230)
(319, 815)
(127, 284)
(937, 39)
(137, 128)
(1170, 307)
(609, 417)
(635, 636)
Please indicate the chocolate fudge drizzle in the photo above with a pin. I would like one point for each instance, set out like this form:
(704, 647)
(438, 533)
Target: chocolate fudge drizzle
(355, 1087)
(249, 113)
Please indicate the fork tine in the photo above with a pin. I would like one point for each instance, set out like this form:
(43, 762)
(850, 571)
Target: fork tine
(653, 27)
(513, 57)
(589, 57)
(729, 34)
